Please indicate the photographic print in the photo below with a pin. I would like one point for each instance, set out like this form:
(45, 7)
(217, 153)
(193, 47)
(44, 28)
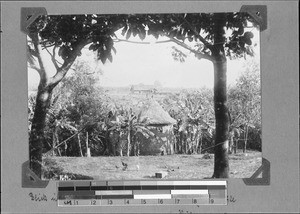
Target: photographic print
(144, 96)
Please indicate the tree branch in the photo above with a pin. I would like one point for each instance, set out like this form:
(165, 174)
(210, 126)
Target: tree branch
(32, 51)
(146, 43)
(64, 141)
(38, 52)
(62, 71)
(31, 60)
(54, 61)
(197, 54)
(182, 44)
(235, 118)
(53, 57)
(35, 67)
(206, 43)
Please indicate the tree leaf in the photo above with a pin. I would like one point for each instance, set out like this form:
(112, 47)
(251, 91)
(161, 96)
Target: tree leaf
(248, 35)
(124, 30)
(103, 56)
(248, 41)
(128, 33)
(91, 47)
(110, 58)
(134, 32)
(179, 36)
(114, 49)
(142, 33)
(60, 51)
(173, 33)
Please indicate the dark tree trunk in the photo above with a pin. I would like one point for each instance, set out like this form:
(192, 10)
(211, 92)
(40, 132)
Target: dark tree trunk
(109, 145)
(235, 145)
(231, 143)
(115, 142)
(46, 85)
(181, 142)
(221, 166)
(135, 146)
(197, 139)
(175, 145)
(185, 143)
(200, 144)
(36, 139)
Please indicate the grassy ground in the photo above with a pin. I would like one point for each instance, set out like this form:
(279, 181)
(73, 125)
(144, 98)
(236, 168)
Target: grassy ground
(145, 167)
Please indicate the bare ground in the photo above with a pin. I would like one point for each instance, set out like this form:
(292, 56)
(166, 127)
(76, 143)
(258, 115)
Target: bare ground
(242, 165)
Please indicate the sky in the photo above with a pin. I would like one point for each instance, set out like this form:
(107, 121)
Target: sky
(146, 63)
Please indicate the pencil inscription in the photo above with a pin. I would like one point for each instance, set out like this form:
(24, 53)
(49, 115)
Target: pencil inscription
(41, 197)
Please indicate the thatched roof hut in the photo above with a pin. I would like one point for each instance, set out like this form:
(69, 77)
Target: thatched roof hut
(154, 115)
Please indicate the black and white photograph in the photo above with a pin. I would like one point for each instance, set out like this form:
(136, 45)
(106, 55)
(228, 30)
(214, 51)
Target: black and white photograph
(173, 96)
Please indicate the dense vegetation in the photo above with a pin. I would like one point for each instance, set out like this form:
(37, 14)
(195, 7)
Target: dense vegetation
(84, 120)
(215, 37)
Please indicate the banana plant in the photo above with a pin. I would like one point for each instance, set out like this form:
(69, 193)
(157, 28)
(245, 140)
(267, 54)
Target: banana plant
(131, 124)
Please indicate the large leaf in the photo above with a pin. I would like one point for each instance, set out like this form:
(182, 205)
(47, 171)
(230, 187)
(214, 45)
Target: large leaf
(144, 130)
(128, 34)
(124, 30)
(142, 33)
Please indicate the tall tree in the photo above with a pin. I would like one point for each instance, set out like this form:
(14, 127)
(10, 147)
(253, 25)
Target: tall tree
(209, 34)
(65, 36)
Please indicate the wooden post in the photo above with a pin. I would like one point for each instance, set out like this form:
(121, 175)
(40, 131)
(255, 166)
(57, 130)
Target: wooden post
(235, 145)
(79, 144)
(245, 142)
(128, 141)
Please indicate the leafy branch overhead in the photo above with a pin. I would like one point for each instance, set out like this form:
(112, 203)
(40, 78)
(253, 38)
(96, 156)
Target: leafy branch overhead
(69, 32)
(195, 29)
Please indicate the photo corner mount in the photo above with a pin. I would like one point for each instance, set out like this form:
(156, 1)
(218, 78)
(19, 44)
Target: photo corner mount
(29, 15)
(30, 179)
(258, 13)
(264, 171)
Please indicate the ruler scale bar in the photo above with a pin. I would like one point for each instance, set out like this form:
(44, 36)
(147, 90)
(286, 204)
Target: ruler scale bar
(116, 196)
(114, 192)
(145, 187)
(190, 196)
(141, 192)
(189, 192)
(162, 192)
(152, 196)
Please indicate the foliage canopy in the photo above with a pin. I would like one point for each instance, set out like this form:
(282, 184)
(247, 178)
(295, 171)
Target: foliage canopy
(68, 31)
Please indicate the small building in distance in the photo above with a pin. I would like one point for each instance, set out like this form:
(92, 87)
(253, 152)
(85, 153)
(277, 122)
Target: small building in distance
(146, 89)
(160, 123)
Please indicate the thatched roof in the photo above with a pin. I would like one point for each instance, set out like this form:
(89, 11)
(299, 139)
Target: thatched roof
(154, 115)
